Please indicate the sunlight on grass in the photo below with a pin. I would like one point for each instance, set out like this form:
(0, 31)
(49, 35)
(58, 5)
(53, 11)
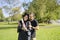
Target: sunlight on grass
(8, 34)
(42, 33)
(48, 34)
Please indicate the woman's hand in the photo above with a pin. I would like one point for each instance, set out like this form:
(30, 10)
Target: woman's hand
(30, 26)
(24, 28)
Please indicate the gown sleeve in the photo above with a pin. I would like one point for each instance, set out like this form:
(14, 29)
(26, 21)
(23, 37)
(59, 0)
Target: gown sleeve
(19, 28)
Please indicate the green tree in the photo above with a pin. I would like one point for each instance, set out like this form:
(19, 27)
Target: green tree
(15, 13)
(44, 9)
(16, 17)
(1, 15)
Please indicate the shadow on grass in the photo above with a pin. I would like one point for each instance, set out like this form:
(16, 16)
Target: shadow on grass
(7, 27)
(10, 24)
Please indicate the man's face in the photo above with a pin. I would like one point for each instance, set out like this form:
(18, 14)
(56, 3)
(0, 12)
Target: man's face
(31, 16)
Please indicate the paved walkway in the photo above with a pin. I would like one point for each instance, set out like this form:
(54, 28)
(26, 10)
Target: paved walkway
(50, 26)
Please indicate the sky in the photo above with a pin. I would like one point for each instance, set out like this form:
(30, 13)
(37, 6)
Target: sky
(13, 2)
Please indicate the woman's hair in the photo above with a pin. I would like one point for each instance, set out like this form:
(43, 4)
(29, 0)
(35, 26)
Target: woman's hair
(25, 15)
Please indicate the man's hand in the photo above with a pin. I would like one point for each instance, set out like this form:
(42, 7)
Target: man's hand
(30, 27)
(36, 28)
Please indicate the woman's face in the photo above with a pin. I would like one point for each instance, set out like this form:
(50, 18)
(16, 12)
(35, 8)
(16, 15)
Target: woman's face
(25, 18)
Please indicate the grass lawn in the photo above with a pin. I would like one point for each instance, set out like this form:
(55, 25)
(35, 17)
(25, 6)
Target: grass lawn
(48, 34)
(9, 32)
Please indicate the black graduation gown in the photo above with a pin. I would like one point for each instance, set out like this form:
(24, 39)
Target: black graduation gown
(22, 35)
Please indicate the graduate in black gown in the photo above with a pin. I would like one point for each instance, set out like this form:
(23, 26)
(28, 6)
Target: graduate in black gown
(23, 27)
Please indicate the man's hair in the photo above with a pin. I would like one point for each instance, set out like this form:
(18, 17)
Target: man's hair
(32, 13)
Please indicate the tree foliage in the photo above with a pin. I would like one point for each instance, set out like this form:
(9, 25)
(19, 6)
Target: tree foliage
(45, 10)
(16, 17)
(1, 15)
